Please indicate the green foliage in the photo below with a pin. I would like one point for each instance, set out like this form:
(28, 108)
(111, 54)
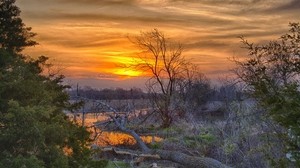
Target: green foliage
(272, 74)
(32, 119)
(155, 145)
(113, 164)
(172, 130)
(14, 35)
(21, 161)
(172, 139)
(34, 131)
(229, 147)
(98, 164)
(207, 138)
(204, 139)
(204, 142)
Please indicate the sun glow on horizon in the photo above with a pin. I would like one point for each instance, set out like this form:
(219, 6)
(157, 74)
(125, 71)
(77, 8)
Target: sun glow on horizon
(92, 41)
(128, 72)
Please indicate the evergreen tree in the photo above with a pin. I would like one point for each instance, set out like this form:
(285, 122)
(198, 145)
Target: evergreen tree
(14, 35)
(34, 131)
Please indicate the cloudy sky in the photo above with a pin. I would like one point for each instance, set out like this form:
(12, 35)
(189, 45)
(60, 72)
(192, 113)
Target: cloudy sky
(88, 39)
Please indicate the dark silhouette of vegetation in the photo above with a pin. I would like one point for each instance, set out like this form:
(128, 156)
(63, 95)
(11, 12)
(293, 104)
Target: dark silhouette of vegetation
(14, 35)
(34, 131)
(108, 94)
(271, 73)
(170, 72)
(194, 91)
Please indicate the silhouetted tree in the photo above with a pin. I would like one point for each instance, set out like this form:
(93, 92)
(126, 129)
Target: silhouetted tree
(195, 90)
(166, 65)
(14, 35)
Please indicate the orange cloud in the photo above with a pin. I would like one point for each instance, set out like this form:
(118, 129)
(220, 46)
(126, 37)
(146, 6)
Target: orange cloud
(88, 38)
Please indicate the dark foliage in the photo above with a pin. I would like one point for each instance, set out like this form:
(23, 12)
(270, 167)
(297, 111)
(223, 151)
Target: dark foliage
(108, 94)
(272, 75)
(34, 131)
(14, 35)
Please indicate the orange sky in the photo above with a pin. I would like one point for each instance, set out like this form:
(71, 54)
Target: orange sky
(87, 39)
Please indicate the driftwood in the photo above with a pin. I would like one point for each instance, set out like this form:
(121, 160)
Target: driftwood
(174, 156)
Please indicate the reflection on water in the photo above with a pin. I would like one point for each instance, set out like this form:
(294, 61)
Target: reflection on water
(113, 138)
(117, 138)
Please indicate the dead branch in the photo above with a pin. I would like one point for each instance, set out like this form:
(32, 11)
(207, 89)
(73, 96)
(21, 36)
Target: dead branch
(148, 115)
(178, 157)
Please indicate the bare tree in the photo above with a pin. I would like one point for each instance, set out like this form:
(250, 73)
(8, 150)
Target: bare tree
(165, 63)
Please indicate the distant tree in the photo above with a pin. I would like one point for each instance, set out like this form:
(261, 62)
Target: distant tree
(166, 65)
(195, 91)
(108, 94)
(272, 75)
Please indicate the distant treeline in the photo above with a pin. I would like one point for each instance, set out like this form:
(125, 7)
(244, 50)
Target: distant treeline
(108, 94)
(199, 94)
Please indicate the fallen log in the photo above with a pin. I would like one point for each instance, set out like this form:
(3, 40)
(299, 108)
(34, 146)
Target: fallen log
(174, 156)
(129, 152)
(189, 161)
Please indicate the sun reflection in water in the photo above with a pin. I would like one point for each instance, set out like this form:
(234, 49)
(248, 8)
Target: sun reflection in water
(114, 138)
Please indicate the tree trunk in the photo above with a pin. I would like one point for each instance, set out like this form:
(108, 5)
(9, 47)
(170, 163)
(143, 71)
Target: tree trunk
(166, 119)
(189, 161)
(138, 139)
(178, 157)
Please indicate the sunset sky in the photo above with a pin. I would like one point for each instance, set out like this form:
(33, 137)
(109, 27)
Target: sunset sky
(87, 39)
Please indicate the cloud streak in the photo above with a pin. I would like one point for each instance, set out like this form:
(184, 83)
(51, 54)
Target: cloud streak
(88, 34)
